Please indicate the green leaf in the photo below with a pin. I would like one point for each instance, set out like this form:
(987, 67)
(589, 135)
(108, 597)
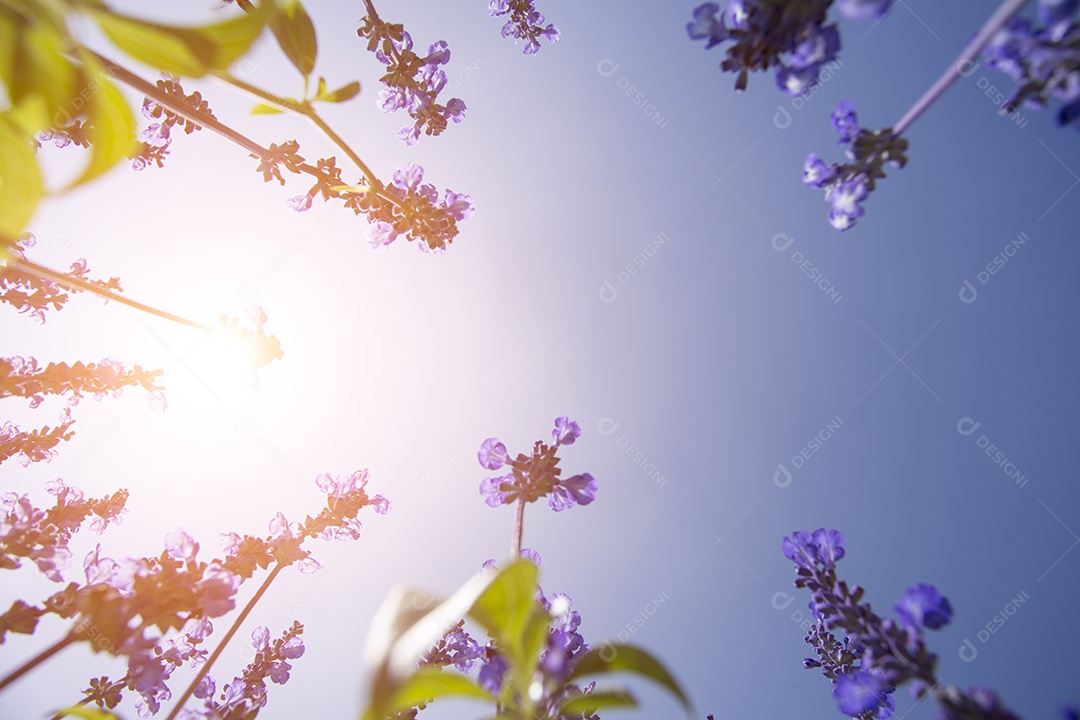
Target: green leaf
(343, 93)
(21, 182)
(409, 623)
(296, 35)
(429, 684)
(598, 700)
(507, 604)
(627, 658)
(188, 51)
(112, 121)
(264, 109)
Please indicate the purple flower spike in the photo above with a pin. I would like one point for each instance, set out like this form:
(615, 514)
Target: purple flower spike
(923, 606)
(706, 25)
(582, 488)
(816, 173)
(491, 489)
(566, 431)
(861, 692)
(830, 545)
(801, 550)
(492, 454)
(864, 9)
(491, 674)
(845, 198)
(845, 122)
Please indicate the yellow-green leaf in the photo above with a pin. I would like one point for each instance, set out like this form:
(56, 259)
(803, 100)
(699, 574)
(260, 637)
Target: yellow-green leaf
(189, 51)
(113, 123)
(264, 109)
(87, 713)
(343, 93)
(589, 704)
(296, 35)
(40, 80)
(21, 182)
(627, 658)
(427, 685)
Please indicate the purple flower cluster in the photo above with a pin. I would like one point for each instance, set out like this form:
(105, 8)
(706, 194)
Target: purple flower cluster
(562, 650)
(411, 83)
(1043, 58)
(792, 36)
(246, 694)
(41, 536)
(525, 23)
(876, 654)
(407, 207)
(24, 377)
(417, 212)
(536, 476)
(31, 294)
(157, 136)
(847, 185)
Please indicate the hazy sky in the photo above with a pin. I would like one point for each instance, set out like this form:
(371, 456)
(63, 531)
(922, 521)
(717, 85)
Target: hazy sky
(644, 259)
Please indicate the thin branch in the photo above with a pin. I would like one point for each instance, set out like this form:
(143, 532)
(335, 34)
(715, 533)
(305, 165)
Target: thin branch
(1005, 11)
(304, 109)
(225, 640)
(45, 273)
(37, 660)
(519, 530)
(181, 108)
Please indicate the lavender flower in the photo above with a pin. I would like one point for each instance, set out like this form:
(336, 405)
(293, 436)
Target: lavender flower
(847, 185)
(922, 606)
(876, 654)
(864, 9)
(793, 37)
(411, 83)
(532, 478)
(1043, 59)
(525, 23)
(414, 210)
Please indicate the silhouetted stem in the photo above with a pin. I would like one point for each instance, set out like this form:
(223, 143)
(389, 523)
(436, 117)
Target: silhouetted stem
(69, 281)
(519, 530)
(306, 111)
(181, 108)
(37, 660)
(225, 640)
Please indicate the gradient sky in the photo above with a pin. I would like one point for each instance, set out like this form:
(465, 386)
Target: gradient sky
(623, 269)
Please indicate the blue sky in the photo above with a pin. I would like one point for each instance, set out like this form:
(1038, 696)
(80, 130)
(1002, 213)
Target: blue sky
(653, 269)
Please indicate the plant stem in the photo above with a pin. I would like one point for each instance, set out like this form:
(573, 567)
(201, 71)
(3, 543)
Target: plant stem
(1007, 9)
(225, 640)
(306, 111)
(519, 529)
(45, 273)
(181, 108)
(37, 660)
